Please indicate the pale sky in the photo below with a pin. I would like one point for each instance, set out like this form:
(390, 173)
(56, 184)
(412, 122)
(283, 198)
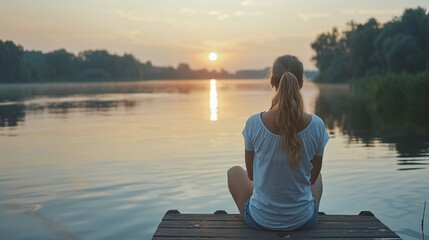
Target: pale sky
(246, 34)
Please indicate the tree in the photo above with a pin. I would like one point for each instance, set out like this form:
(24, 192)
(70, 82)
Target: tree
(184, 71)
(34, 67)
(331, 57)
(401, 45)
(131, 67)
(360, 44)
(61, 63)
(99, 60)
(10, 61)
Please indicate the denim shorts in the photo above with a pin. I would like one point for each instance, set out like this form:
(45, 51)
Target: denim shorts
(250, 221)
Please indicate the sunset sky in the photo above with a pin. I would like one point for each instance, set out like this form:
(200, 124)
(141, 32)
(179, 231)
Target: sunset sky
(245, 34)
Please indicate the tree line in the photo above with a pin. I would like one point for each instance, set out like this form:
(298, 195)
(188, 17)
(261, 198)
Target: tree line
(373, 49)
(21, 66)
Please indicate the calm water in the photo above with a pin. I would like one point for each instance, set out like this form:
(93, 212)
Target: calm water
(106, 160)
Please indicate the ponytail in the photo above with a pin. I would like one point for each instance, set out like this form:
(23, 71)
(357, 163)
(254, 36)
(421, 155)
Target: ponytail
(290, 107)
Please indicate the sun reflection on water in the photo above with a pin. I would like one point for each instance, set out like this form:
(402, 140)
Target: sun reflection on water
(213, 100)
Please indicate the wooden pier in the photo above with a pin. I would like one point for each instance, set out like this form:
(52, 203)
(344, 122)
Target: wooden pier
(221, 225)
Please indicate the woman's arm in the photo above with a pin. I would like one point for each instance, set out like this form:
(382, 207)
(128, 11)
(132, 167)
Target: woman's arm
(248, 156)
(317, 166)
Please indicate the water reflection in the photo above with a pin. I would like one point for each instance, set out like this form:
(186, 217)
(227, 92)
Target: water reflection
(23, 92)
(84, 106)
(60, 98)
(11, 115)
(213, 100)
(356, 122)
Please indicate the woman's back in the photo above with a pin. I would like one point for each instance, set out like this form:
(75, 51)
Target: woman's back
(269, 120)
(282, 196)
(283, 157)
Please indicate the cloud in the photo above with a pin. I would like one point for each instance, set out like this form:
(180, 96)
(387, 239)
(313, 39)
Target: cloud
(215, 13)
(189, 11)
(306, 17)
(250, 3)
(249, 13)
(133, 16)
(220, 15)
(162, 17)
(371, 11)
(244, 43)
(223, 17)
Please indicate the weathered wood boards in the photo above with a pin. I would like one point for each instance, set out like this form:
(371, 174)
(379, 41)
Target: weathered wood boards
(220, 225)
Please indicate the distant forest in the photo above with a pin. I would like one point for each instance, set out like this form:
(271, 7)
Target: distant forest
(387, 67)
(373, 49)
(21, 66)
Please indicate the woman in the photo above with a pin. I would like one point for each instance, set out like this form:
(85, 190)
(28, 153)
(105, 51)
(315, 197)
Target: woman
(284, 146)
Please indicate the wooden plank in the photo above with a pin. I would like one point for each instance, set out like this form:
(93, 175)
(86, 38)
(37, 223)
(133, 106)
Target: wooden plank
(241, 224)
(257, 238)
(250, 233)
(231, 226)
(237, 217)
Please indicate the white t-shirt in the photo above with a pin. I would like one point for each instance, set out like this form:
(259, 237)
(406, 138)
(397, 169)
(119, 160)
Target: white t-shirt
(282, 198)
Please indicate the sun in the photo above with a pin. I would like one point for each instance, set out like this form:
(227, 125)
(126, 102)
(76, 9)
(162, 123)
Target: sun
(213, 56)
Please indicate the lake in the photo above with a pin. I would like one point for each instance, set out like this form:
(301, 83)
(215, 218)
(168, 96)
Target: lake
(107, 160)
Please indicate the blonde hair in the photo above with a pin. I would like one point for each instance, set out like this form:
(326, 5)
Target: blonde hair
(286, 63)
(288, 103)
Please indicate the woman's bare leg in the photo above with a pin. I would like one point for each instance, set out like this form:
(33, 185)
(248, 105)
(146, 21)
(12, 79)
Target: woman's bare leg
(240, 186)
(317, 189)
